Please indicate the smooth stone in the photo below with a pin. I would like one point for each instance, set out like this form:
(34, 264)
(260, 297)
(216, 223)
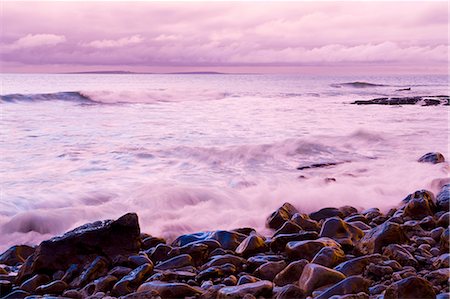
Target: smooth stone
(260, 288)
(350, 285)
(54, 287)
(443, 296)
(361, 225)
(151, 294)
(444, 220)
(443, 198)
(269, 270)
(98, 268)
(32, 283)
(199, 251)
(230, 280)
(432, 157)
(290, 274)
(445, 239)
(102, 284)
(279, 242)
(251, 245)
(400, 254)
(348, 211)
(357, 265)
(216, 272)
(360, 295)
(288, 291)
(355, 218)
(17, 294)
(150, 242)
(247, 279)
(228, 240)
(175, 262)
(102, 238)
(378, 237)
(219, 260)
(281, 215)
(442, 261)
(289, 227)
(308, 249)
(439, 276)
(16, 255)
(326, 213)
(169, 289)
(305, 222)
(132, 280)
(5, 287)
(329, 257)
(159, 253)
(137, 260)
(258, 260)
(315, 276)
(419, 204)
(119, 271)
(410, 287)
(340, 231)
(378, 270)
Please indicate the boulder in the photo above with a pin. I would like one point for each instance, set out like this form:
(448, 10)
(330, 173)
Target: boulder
(375, 239)
(288, 291)
(269, 270)
(55, 287)
(279, 242)
(326, 213)
(443, 198)
(305, 222)
(350, 285)
(251, 245)
(16, 255)
(102, 238)
(260, 288)
(169, 289)
(308, 249)
(290, 274)
(281, 215)
(228, 240)
(130, 281)
(315, 276)
(329, 257)
(410, 287)
(175, 262)
(400, 254)
(289, 227)
(357, 265)
(419, 204)
(432, 157)
(340, 231)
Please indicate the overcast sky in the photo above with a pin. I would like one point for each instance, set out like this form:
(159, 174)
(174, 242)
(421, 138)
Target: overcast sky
(225, 36)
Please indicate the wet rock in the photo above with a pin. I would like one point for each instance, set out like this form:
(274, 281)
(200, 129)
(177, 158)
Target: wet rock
(289, 227)
(216, 272)
(258, 260)
(17, 294)
(315, 276)
(443, 261)
(360, 295)
(72, 294)
(269, 270)
(102, 238)
(340, 231)
(102, 284)
(443, 198)
(361, 225)
(247, 279)
(400, 254)
(281, 215)
(259, 288)
(326, 213)
(308, 249)
(228, 240)
(445, 239)
(410, 287)
(288, 291)
(432, 157)
(439, 276)
(356, 217)
(444, 220)
(5, 287)
(422, 100)
(137, 260)
(219, 260)
(152, 294)
(251, 245)
(305, 222)
(96, 269)
(378, 271)
(175, 262)
(371, 214)
(54, 287)
(291, 273)
(16, 255)
(329, 257)
(119, 271)
(419, 204)
(32, 283)
(159, 253)
(350, 285)
(169, 290)
(279, 242)
(378, 237)
(132, 280)
(150, 242)
(436, 233)
(357, 265)
(230, 280)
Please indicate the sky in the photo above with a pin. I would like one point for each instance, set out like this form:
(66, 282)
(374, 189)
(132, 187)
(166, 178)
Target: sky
(318, 37)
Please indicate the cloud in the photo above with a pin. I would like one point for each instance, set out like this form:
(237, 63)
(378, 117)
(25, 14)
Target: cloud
(115, 43)
(37, 40)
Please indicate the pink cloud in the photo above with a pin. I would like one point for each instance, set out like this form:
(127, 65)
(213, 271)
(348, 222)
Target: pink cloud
(149, 35)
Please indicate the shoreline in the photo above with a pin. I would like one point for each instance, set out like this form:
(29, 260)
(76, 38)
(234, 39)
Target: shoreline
(336, 251)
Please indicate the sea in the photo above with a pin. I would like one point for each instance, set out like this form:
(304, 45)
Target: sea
(198, 152)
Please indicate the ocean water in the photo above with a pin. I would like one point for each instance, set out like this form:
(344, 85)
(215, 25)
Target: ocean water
(203, 152)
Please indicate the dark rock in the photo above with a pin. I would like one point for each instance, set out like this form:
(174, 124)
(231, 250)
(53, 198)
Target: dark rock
(102, 284)
(439, 276)
(315, 276)
(279, 242)
(169, 290)
(305, 222)
(291, 273)
(371, 213)
(247, 279)
(350, 285)
(230, 280)
(251, 245)
(329, 257)
(288, 291)
(378, 270)
(5, 287)
(443, 198)
(400, 254)
(377, 289)
(175, 262)
(151, 294)
(289, 227)
(137, 260)
(443, 261)
(444, 220)
(228, 240)
(308, 249)
(198, 251)
(360, 295)
(269, 270)
(102, 238)
(361, 225)
(96, 269)
(55, 287)
(32, 283)
(216, 272)
(219, 260)
(357, 217)
(326, 213)
(348, 211)
(375, 239)
(422, 100)
(432, 157)
(343, 233)
(410, 287)
(258, 260)
(419, 204)
(132, 280)
(119, 271)
(445, 239)
(357, 265)
(16, 255)
(259, 288)
(72, 294)
(17, 294)
(281, 215)
(436, 233)
(150, 242)
(159, 253)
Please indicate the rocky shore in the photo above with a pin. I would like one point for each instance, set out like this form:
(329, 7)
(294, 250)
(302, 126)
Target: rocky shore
(331, 253)
(415, 100)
